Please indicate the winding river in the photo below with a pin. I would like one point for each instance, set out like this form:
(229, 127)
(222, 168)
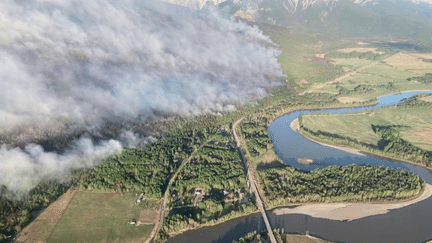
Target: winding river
(411, 223)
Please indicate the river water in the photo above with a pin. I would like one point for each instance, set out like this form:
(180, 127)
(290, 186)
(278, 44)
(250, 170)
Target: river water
(412, 223)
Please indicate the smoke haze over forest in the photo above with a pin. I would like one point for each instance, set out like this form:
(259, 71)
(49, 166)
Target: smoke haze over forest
(69, 65)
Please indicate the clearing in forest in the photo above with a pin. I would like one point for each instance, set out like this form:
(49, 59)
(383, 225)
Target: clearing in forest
(40, 229)
(101, 217)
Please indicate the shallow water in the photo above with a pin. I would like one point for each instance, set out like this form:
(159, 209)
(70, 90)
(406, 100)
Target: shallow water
(412, 223)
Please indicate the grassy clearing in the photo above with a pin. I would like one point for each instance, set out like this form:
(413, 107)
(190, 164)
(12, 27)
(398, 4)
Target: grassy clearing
(352, 63)
(298, 60)
(427, 99)
(358, 125)
(100, 217)
(392, 74)
(40, 229)
(409, 61)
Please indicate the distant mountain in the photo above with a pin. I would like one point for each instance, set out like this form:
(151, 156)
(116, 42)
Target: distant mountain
(351, 18)
(344, 18)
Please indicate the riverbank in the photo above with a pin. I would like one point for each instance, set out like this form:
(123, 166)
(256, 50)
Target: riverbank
(355, 131)
(295, 126)
(205, 232)
(360, 151)
(192, 228)
(352, 211)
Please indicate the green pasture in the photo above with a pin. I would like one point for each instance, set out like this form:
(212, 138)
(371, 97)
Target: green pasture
(100, 217)
(380, 79)
(298, 49)
(359, 125)
(353, 63)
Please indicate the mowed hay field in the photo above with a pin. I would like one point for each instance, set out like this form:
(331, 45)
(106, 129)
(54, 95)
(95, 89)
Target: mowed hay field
(101, 217)
(41, 228)
(395, 69)
(410, 61)
(358, 125)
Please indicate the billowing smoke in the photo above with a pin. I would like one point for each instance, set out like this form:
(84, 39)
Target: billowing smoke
(68, 66)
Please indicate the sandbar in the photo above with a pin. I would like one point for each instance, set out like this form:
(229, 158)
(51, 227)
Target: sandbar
(351, 211)
(295, 125)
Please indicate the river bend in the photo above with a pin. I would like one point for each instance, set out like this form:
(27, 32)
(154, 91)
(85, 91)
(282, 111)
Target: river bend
(412, 223)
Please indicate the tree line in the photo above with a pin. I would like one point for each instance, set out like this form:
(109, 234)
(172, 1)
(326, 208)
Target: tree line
(338, 183)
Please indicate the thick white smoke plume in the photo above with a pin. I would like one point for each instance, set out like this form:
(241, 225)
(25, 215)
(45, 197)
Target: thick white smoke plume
(22, 169)
(80, 63)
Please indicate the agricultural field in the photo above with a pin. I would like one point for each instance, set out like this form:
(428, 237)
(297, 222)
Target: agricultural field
(380, 72)
(298, 55)
(40, 229)
(104, 217)
(411, 122)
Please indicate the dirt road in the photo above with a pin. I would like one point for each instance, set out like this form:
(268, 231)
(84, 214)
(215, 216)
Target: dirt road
(318, 86)
(158, 225)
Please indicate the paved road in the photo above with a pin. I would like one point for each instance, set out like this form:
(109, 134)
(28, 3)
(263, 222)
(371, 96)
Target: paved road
(251, 182)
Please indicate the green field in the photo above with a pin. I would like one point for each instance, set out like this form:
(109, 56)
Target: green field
(403, 131)
(358, 125)
(298, 49)
(100, 217)
(379, 77)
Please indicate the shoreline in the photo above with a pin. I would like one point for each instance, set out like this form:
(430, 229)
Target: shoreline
(295, 126)
(401, 92)
(365, 152)
(193, 228)
(357, 209)
(352, 211)
(334, 211)
(343, 148)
